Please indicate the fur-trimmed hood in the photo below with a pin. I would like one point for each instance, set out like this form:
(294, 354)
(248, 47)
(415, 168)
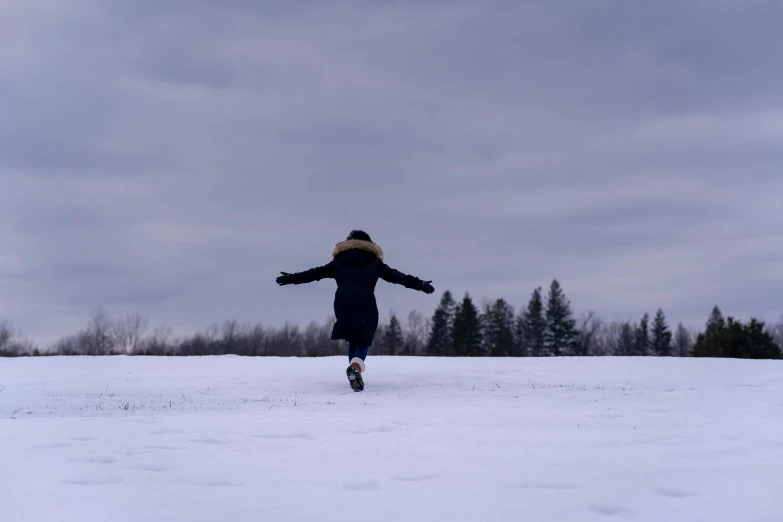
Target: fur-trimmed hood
(351, 244)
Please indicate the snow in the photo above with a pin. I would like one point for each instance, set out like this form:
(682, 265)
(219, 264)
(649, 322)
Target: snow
(254, 439)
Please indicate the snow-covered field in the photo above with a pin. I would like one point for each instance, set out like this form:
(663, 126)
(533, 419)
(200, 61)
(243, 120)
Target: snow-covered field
(113, 439)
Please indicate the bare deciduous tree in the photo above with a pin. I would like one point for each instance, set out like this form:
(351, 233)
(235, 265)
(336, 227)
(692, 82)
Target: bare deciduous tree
(97, 339)
(128, 335)
(12, 344)
(5, 336)
(230, 333)
(777, 332)
(609, 338)
(157, 343)
(683, 341)
(317, 340)
(415, 330)
(128, 332)
(588, 338)
(256, 341)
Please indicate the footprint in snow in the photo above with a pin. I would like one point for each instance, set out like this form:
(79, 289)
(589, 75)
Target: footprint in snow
(97, 459)
(157, 468)
(610, 510)
(128, 453)
(674, 493)
(93, 481)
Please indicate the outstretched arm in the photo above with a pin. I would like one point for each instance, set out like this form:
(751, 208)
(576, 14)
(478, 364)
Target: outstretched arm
(308, 276)
(396, 277)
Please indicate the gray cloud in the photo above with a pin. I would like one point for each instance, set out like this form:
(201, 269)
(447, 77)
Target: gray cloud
(170, 158)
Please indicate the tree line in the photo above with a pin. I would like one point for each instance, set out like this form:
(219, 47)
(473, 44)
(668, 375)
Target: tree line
(545, 327)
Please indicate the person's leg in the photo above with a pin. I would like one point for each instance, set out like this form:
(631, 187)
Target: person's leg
(356, 355)
(361, 352)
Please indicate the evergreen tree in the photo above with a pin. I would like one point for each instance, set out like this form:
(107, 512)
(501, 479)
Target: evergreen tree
(533, 326)
(441, 339)
(560, 330)
(708, 342)
(499, 329)
(682, 341)
(741, 341)
(661, 336)
(520, 345)
(730, 343)
(641, 344)
(731, 338)
(757, 343)
(380, 334)
(392, 339)
(456, 348)
(485, 317)
(467, 329)
(626, 340)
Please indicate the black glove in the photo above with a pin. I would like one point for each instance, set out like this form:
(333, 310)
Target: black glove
(427, 288)
(285, 279)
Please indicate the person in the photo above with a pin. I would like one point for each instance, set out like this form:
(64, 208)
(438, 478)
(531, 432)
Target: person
(357, 264)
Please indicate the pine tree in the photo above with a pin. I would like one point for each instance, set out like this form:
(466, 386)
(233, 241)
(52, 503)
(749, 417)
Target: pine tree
(484, 319)
(499, 329)
(467, 329)
(560, 332)
(661, 336)
(440, 339)
(520, 345)
(757, 343)
(626, 340)
(708, 343)
(734, 339)
(532, 327)
(456, 347)
(641, 345)
(682, 341)
(392, 339)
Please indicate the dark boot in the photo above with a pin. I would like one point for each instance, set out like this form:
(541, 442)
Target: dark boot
(354, 373)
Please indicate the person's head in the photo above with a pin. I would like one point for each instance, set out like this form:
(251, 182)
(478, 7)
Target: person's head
(361, 235)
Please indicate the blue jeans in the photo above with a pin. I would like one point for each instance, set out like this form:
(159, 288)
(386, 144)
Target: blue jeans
(355, 350)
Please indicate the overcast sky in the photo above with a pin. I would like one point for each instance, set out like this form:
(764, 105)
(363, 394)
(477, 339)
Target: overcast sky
(170, 158)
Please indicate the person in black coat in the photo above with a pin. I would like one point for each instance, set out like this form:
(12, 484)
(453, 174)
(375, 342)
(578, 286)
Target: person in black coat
(356, 266)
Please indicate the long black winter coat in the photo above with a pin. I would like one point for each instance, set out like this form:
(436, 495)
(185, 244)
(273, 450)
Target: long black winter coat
(356, 266)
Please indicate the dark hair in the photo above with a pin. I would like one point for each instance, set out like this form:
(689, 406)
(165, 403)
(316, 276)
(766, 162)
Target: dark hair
(360, 235)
